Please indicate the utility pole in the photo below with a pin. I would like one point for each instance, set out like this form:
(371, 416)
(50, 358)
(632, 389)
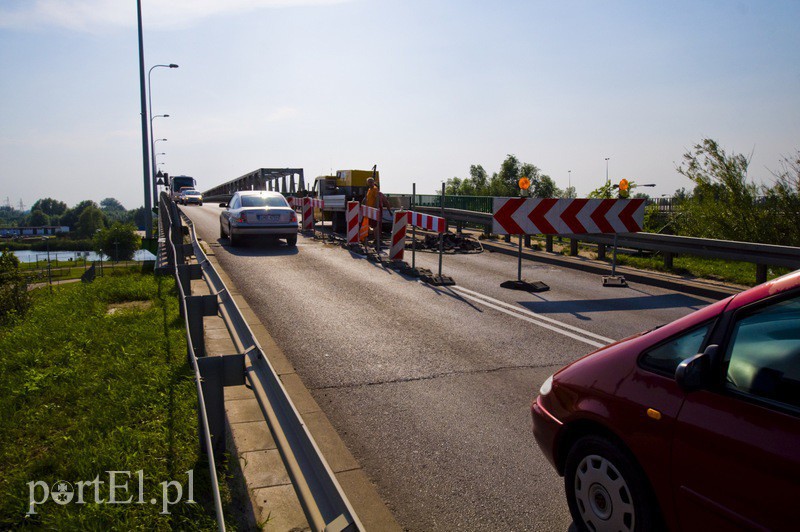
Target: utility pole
(148, 219)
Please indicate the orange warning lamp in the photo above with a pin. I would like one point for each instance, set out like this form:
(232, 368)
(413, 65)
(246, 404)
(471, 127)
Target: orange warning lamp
(524, 183)
(624, 188)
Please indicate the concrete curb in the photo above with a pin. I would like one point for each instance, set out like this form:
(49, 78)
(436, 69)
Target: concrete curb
(274, 505)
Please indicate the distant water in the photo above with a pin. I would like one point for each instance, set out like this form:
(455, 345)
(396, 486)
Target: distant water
(140, 255)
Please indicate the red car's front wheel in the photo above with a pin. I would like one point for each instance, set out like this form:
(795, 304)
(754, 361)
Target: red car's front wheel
(606, 490)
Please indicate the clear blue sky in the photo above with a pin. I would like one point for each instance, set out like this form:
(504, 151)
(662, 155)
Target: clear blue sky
(423, 89)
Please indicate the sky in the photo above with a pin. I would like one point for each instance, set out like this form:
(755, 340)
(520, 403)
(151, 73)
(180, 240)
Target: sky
(423, 89)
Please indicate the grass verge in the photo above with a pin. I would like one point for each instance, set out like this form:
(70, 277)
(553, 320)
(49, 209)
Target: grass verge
(86, 392)
(741, 273)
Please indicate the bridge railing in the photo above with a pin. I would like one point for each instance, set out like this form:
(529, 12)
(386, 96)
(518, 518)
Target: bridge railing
(324, 503)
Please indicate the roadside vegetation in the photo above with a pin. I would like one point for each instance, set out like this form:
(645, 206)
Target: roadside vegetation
(95, 379)
(724, 203)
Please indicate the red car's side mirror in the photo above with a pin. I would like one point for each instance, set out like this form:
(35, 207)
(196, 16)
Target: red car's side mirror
(694, 373)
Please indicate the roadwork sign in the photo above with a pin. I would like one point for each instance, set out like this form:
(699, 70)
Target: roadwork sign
(550, 216)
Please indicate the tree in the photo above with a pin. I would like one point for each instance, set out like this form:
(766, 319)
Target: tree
(569, 193)
(114, 210)
(111, 205)
(38, 218)
(119, 242)
(545, 187)
(50, 207)
(480, 179)
(509, 174)
(71, 216)
(723, 204)
(783, 199)
(14, 296)
(452, 186)
(90, 220)
(139, 216)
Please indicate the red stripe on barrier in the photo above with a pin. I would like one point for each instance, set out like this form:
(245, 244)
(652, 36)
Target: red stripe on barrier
(537, 216)
(570, 215)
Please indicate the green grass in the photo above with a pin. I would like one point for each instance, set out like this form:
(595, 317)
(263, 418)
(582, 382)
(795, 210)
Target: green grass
(85, 392)
(742, 273)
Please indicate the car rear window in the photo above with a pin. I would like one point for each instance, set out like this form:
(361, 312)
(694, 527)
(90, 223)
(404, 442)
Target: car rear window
(666, 357)
(264, 201)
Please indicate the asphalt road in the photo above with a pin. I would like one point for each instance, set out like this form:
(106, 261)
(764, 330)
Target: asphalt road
(431, 388)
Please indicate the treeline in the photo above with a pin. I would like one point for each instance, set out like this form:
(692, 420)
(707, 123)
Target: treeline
(723, 203)
(505, 182)
(84, 219)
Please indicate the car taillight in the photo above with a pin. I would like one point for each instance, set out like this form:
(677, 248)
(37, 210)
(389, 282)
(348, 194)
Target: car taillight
(292, 216)
(240, 219)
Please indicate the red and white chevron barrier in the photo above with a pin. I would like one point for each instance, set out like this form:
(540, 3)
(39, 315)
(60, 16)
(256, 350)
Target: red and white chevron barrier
(317, 203)
(402, 219)
(399, 235)
(549, 216)
(308, 214)
(352, 217)
(290, 200)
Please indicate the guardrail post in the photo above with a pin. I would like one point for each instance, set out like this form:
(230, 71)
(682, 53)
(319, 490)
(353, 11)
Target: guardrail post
(668, 260)
(548, 243)
(198, 307)
(761, 273)
(573, 247)
(601, 252)
(188, 273)
(507, 238)
(218, 372)
(527, 241)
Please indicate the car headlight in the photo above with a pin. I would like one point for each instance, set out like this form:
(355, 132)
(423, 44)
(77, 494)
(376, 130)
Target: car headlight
(547, 385)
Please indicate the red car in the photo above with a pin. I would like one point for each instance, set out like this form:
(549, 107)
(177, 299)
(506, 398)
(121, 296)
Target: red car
(693, 425)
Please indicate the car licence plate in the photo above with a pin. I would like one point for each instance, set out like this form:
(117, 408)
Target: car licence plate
(269, 217)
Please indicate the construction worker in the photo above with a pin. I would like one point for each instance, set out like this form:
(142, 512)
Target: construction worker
(371, 199)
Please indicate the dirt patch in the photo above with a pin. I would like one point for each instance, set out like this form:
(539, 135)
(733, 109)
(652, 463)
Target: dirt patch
(130, 305)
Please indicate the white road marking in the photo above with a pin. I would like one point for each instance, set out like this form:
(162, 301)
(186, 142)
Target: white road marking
(532, 317)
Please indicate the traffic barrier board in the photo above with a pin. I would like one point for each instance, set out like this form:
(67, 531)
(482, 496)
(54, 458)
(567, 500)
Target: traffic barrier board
(550, 216)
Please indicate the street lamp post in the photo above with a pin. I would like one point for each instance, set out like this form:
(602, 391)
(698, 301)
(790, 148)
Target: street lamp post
(150, 109)
(153, 152)
(607, 181)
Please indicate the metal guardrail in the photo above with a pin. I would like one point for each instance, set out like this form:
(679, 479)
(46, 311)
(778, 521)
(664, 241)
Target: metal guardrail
(762, 255)
(323, 501)
(174, 250)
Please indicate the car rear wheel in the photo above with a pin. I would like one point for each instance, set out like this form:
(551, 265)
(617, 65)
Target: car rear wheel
(234, 240)
(221, 231)
(291, 241)
(606, 490)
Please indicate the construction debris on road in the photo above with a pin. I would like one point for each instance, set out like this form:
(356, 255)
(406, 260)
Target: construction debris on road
(453, 243)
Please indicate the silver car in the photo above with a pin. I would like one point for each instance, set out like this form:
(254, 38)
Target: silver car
(258, 212)
(191, 195)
